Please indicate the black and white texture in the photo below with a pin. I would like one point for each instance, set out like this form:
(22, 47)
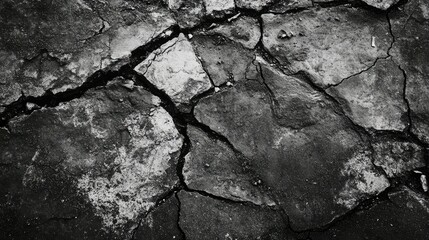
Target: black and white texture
(214, 119)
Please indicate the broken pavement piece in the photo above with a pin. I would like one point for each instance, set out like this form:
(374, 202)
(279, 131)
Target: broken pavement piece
(244, 30)
(410, 52)
(396, 157)
(57, 45)
(374, 98)
(327, 49)
(226, 220)
(315, 164)
(115, 150)
(223, 59)
(175, 69)
(381, 4)
(405, 215)
(211, 166)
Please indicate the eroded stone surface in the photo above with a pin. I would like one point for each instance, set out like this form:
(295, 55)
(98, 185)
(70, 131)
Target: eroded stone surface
(330, 43)
(175, 69)
(223, 220)
(55, 45)
(286, 5)
(105, 158)
(404, 216)
(409, 27)
(253, 4)
(397, 156)
(161, 223)
(381, 4)
(316, 165)
(244, 30)
(219, 8)
(188, 13)
(374, 98)
(223, 59)
(213, 167)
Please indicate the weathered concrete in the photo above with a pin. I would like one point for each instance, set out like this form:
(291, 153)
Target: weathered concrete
(57, 45)
(374, 98)
(404, 216)
(330, 44)
(409, 27)
(104, 158)
(315, 164)
(223, 220)
(175, 69)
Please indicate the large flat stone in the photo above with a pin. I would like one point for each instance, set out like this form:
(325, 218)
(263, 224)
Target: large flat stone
(56, 45)
(104, 158)
(409, 26)
(175, 69)
(329, 43)
(315, 164)
(375, 98)
(213, 167)
(381, 4)
(223, 59)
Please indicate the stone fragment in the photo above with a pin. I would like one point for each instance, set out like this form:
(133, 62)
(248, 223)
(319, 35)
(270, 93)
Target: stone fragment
(224, 220)
(218, 8)
(175, 69)
(161, 223)
(286, 5)
(374, 98)
(315, 164)
(188, 13)
(223, 59)
(244, 30)
(257, 5)
(213, 167)
(404, 216)
(381, 4)
(105, 157)
(396, 157)
(410, 51)
(328, 49)
(58, 45)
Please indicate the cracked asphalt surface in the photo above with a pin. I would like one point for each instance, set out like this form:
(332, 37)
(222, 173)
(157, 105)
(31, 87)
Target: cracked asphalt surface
(214, 119)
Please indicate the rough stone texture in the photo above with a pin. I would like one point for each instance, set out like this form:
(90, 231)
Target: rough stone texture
(374, 98)
(224, 220)
(381, 4)
(397, 156)
(244, 30)
(55, 45)
(218, 8)
(104, 158)
(330, 44)
(316, 166)
(175, 69)
(285, 5)
(253, 4)
(188, 13)
(213, 167)
(404, 216)
(161, 223)
(409, 26)
(223, 59)
(224, 119)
